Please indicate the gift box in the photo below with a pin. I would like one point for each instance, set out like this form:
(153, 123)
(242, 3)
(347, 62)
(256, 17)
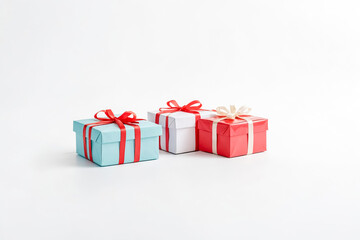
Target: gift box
(179, 125)
(232, 133)
(113, 140)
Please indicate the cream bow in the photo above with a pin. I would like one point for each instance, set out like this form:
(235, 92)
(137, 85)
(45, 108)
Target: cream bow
(232, 113)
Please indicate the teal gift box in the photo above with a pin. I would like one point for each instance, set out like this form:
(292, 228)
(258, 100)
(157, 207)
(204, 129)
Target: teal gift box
(117, 140)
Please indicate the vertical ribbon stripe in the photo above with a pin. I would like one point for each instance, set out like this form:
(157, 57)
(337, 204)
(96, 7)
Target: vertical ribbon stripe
(214, 134)
(122, 145)
(214, 137)
(167, 135)
(137, 142)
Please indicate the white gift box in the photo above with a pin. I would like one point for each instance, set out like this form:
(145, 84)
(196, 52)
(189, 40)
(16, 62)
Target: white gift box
(181, 129)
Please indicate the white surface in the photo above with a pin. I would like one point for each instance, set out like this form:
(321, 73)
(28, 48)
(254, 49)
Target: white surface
(181, 130)
(294, 62)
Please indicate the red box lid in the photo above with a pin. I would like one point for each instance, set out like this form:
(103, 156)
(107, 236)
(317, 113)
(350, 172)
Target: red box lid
(233, 127)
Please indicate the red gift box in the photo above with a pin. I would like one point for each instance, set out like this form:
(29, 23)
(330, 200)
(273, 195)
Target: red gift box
(232, 136)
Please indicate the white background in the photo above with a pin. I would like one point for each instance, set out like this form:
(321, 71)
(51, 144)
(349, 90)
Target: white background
(294, 62)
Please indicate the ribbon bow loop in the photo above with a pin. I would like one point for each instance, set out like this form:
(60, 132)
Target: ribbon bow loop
(173, 104)
(108, 113)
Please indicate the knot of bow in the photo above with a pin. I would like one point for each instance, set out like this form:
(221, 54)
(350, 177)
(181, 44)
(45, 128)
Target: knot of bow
(127, 117)
(192, 106)
(232, 113)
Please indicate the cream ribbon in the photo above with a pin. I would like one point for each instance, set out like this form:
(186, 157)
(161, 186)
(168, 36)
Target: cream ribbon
(232, 114)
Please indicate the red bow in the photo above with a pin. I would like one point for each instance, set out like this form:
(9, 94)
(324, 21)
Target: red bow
(192, 107)
(128, 118)
(123, 118)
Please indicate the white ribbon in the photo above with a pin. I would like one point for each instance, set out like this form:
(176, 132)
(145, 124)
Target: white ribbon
(232, 114)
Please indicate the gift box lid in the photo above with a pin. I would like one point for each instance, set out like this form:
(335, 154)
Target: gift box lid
(111, 132)
(233, 127)
(179, 119)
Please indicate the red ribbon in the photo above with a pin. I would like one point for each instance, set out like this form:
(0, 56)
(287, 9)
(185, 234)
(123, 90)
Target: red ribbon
(128, 118)
(192, 107)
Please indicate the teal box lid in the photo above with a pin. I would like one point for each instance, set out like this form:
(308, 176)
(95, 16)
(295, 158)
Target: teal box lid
(111, 132)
